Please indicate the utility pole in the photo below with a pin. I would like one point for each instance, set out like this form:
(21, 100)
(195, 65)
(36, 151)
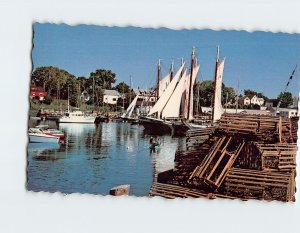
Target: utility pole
(237, 97)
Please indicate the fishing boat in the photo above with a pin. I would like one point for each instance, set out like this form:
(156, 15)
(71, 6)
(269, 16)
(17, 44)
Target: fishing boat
(54, 132)
(37, 136)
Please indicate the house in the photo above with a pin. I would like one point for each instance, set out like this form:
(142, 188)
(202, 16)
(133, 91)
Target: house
(271, 103)
(253, 99)
(257, 100)
(37, 92)
(85, 97)
(145, 95)
(287, 112)
(111, 96)
(246, 100)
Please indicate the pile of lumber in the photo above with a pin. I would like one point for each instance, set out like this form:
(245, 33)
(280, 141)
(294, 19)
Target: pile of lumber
(246, 157)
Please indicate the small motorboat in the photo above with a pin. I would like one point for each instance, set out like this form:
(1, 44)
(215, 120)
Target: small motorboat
(37, 136)
(54, 132)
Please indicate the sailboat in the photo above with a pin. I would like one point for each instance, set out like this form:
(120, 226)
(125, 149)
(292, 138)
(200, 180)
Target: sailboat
(158, 120)
(127, 116)
(180, 128)
(76, 116)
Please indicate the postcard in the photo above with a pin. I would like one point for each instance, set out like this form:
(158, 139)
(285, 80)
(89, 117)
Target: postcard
(161, 112)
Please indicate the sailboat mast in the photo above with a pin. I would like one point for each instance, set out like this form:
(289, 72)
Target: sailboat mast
(215, 84)
(94, 93)
(191, 82)
(130, 89)
(172, 71)
(68, 99)
(158, 79)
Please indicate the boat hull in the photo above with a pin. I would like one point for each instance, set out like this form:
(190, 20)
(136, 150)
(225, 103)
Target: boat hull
(101, 119)
(179, 129)
(156, 126)
(85, 120)
(34, 138)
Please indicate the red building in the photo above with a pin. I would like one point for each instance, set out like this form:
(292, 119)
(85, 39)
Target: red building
(37, 92)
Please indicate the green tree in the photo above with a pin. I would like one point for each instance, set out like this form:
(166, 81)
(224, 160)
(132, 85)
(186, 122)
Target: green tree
(286, 99)
(55, 81)
(206, 92)
(122, 87)
(102, 78)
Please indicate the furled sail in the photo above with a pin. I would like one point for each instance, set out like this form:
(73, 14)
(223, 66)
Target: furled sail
(162, 101)
(130, 108)
(191, 105)
(172, 108)
(186, 95)
(217, 105)
(163, 84)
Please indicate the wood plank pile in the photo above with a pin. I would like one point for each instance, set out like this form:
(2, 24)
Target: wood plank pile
(247, 157)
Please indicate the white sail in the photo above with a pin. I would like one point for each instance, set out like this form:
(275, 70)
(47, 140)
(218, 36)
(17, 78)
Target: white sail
(172, 108)
(163, 84)
(161, 102)
(130, 108)
(218, 109)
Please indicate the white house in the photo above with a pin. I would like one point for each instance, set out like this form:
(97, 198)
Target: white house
(288, 112)
(111, 96)
(247, 101)
(253, 100)
(145, 95)
(257, 100)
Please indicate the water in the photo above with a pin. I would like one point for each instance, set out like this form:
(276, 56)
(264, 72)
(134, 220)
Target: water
(95, 158)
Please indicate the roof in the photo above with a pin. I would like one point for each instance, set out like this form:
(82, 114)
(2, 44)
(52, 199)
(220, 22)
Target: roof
(111, 92)
(140, 91)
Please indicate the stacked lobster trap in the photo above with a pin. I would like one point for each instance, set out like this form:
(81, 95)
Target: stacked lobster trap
(246, 157)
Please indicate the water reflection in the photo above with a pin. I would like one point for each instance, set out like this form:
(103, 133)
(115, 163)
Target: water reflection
(95, 158)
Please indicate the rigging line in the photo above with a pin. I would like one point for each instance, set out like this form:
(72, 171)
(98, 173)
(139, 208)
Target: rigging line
(286, 86)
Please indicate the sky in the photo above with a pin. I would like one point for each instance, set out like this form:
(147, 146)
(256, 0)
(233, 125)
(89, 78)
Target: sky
(261, 61)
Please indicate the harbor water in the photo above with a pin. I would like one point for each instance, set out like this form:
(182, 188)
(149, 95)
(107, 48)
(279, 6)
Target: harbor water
(95, 158)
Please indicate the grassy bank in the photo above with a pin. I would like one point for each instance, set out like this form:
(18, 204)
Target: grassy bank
(62, 105)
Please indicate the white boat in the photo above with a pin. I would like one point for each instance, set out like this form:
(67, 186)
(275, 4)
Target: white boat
(54, 132)
(37, 136)
(76, 116)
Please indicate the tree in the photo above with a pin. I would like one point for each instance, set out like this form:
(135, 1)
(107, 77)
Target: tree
(206, 92)
(102, 78)
(56, 82)
(286, 99)
(122, 87)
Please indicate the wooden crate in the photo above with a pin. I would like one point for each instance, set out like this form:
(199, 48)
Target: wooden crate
(217, 162)
(279, 156)
(265, 185)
